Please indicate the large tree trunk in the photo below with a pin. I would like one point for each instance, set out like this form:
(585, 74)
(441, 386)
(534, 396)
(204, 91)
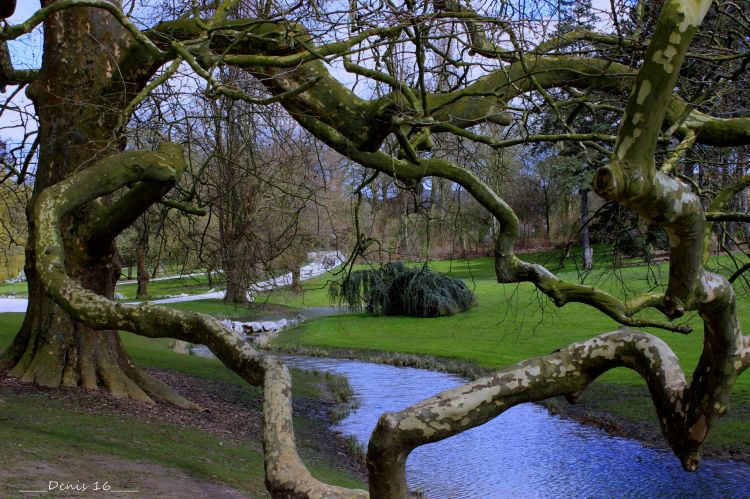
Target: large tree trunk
(296, 287)
(234, 262)
(236, 292)
(77, 104)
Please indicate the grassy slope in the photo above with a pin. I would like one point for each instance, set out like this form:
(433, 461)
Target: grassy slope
(28, 422)
(514, 322)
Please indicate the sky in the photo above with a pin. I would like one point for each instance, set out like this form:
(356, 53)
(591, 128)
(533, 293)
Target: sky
(26, 53)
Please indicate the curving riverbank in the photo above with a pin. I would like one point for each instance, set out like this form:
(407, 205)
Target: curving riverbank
(525, 452)
(620, 410)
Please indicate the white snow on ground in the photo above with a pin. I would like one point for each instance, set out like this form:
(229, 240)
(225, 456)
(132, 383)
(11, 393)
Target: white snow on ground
(175, 299)
(165, 278)
(13, 304)
(320, 263)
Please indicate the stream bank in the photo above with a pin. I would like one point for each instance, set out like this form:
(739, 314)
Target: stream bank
(593, 409)
(524, 452)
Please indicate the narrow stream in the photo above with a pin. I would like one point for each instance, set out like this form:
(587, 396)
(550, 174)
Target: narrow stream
(525, 452)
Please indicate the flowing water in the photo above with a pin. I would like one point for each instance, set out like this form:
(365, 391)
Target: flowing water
(525, 452)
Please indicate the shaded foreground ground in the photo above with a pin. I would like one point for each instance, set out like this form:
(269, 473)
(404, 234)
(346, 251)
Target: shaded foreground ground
(74, 436)
(130, 477)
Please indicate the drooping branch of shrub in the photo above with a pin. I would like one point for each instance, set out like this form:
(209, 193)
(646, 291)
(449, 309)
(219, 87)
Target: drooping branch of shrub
(395, 289)
(286, 474)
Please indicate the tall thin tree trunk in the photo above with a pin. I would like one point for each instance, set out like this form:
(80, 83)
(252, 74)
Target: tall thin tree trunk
(140, 257)
(547, 223)
(588, 251)
(157, 265)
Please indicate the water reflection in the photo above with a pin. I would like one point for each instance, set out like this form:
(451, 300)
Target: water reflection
(525, 452)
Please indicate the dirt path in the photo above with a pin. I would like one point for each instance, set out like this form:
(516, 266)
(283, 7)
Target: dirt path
(232, 414)
(112, 476)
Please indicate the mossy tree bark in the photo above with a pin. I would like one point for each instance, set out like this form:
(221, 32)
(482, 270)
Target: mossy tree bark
(78, 96)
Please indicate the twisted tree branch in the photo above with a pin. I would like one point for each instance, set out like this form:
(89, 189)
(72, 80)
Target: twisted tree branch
(286, 474)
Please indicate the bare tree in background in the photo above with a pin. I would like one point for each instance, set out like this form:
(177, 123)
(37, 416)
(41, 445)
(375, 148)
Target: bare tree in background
(258, 175)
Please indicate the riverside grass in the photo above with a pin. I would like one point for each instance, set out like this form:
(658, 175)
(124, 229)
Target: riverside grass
(514, 322)
(509, 323)
(44, 432)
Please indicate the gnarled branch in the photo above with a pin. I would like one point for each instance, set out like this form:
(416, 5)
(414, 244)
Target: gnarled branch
(286, 474)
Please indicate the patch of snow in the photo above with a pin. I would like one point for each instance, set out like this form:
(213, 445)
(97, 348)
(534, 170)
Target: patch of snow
(21, 278)
(320, 262)
(13, 304)
(165, 278)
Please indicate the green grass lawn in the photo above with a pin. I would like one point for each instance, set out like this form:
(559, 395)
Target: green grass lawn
(61, 432)
(14, 289)
(156, 289)
(315, 292)
(218, 308)
(174, 286)
(513, 322)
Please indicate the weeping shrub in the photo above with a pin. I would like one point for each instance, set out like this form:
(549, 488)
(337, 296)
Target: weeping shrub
(395, 289)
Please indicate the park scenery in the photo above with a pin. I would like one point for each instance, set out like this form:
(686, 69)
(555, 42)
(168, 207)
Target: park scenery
(374, 248)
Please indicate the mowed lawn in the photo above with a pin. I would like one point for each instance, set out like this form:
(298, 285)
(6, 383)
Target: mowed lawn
(510, 323)
(41, 432)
